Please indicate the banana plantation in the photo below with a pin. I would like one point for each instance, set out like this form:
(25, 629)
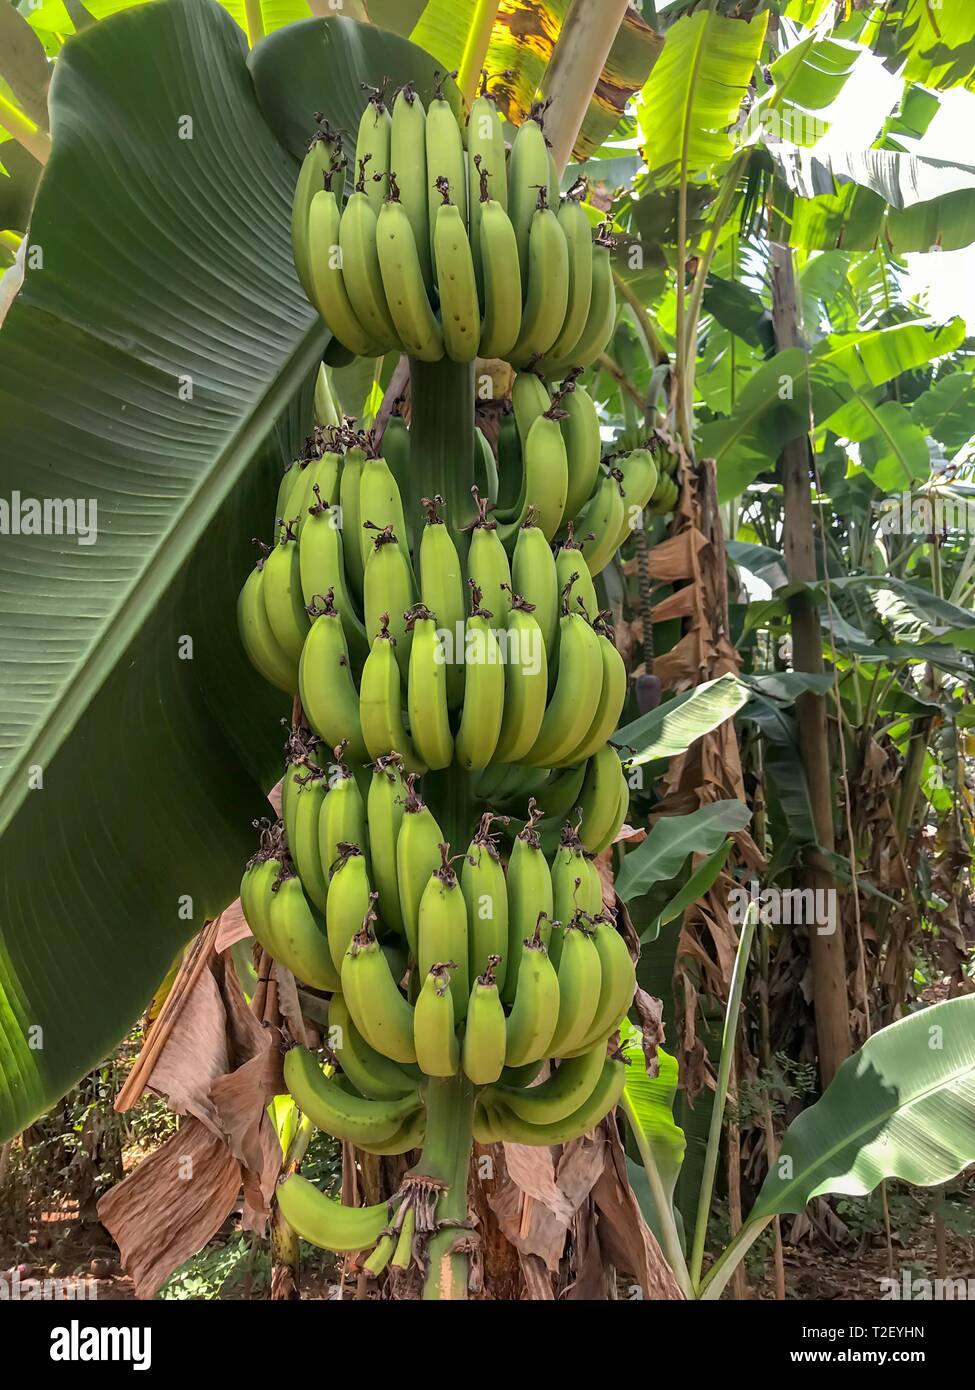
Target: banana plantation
(487, 650)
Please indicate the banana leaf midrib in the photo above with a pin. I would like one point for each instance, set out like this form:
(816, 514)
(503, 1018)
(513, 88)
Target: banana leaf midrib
(122, 623)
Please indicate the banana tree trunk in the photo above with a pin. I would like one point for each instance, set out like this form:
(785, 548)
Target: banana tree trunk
(827, 952)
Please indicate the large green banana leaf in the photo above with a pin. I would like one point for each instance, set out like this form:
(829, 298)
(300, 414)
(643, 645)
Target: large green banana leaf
(695, 91)
(929, 41)
(946, 411)
(648, 1104)
(777, 402)
(901, 1107)
(159, 363)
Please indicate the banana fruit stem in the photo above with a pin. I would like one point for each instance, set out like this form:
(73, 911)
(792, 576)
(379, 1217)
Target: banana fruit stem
(447, 1156)
(442, 439)
(442, 463)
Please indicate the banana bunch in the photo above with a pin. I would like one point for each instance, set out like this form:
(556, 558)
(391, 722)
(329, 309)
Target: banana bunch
(444, 246)
(488, 971)
(501, 657)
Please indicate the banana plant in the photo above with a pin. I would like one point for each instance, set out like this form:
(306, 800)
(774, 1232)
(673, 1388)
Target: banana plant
(903, 1106)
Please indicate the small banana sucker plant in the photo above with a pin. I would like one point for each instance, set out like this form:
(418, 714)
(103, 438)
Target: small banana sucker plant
(900, 1107)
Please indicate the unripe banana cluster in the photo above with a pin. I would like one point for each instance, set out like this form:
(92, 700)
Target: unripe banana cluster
(488, 967)
(445, 246)
(499, 657)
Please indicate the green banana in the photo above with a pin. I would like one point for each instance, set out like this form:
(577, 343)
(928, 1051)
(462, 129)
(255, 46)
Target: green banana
(482, 882)
(372, 147)
(501, 291)
(548, 285)
(325, 684)
(580, 974)
(437, 1049)
(384, 815)
(486, 174)
(574, 888)
(480, 722)
(583, 446)
(617, 977)
(502, 1121)
(343, 818)
(321, 559)
(533, 575)
(403, 1254)
(639, 474)
(611, 697)
(529, 398)
(326, 1223)
(417, 857)
(298, 755)
(379, 1011)
(408, 161)
(303, 843)
(485, 466)
(485, 1032)
(535, 1010)
(410, 1135)
(336, 1110)
(545, 477)
(388, 592)
(256, 886)
(600, 522)
(600, 797)
(368, 1070)
(351, 520)
(319, 482)
(557, 797)
(488, 566)
(578, 239)
(445, 163)
(381, 703)
(529, 900)
(327, 288)
(324, 151)
(619, 818)
(525, 684)
(261, 645)
(281, 587)
(442, 929)
(575, 699)
(528, 171)
(404, 282)
(299, 937)
(561, 1094)
(460, 310)
(442, 591)
(427, 690)
(573, 577)
(380, 504)
(602, 310)
(349, 895)
(360, 267)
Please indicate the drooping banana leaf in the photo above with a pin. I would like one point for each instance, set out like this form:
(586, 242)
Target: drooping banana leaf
(671, 728)
(159, 364)
(902, 1107)
(946, 411)
(670, 841)
(695, 91)
(524, 34)
(931, 43)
